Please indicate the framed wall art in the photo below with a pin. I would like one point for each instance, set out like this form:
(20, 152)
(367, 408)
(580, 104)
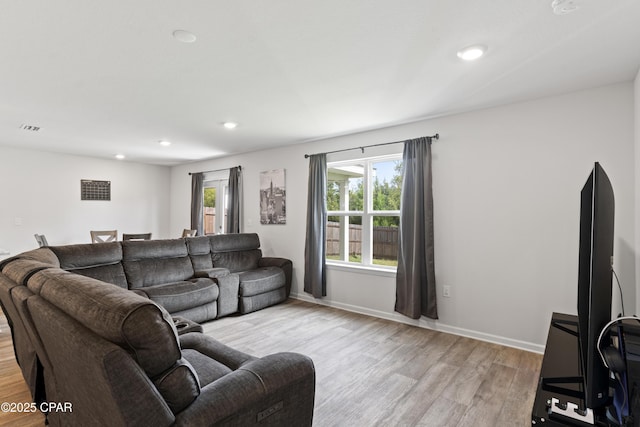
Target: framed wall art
(273, 196)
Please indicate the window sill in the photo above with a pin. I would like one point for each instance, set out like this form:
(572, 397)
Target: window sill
(377, 271)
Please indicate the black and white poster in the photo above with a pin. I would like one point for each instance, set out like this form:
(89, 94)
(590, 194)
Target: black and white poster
(273, 195)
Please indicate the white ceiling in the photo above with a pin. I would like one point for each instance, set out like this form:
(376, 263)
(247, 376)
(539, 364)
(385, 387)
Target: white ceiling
(107, 77)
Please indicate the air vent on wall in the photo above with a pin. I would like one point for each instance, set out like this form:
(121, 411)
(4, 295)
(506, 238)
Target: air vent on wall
(31, 128)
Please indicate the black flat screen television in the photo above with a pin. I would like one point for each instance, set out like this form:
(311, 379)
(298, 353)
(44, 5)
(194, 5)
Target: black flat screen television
(594, 281)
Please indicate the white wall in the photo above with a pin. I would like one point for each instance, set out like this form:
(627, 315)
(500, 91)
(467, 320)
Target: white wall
(42, 191)
(506, 190)
(636, 122)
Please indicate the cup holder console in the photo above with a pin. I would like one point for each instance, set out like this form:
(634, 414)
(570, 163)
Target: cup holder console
(185, 325)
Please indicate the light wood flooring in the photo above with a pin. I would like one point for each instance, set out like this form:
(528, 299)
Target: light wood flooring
(369, 371)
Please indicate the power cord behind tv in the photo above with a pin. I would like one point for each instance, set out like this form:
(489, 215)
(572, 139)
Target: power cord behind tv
(620, 288)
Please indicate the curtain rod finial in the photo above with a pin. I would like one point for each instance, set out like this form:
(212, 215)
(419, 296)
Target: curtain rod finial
(437, 136)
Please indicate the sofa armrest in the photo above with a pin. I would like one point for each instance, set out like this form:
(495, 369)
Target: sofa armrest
(212, 273)
(214, 349)
(284, 263)
(275, 390)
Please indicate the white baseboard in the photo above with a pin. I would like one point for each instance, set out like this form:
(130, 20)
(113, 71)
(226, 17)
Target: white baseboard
(425, 323)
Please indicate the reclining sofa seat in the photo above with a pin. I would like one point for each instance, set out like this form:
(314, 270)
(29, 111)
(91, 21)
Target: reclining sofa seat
(117, 357)
(263, 281)
(162, 270)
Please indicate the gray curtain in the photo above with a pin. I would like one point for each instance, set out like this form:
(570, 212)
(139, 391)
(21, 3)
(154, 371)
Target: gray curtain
(415, 279)
(235, 194)
(315, 281)
(197, 203)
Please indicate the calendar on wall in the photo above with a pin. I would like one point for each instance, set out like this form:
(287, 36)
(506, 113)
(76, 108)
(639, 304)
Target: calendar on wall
(95, 190)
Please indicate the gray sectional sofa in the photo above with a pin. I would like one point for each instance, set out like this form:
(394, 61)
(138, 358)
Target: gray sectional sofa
(199, 278)
(94, 325)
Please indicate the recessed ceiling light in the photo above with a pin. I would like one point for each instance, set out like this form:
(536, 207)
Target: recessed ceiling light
(164, 143)
(562, 7)
(472, 52)
(184, 36)
(230, 125)
(119, 156)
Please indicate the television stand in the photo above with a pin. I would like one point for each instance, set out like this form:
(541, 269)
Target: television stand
(561, 380)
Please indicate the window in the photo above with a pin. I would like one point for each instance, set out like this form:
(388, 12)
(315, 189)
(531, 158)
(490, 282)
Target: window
(215, 201)
(363, 206)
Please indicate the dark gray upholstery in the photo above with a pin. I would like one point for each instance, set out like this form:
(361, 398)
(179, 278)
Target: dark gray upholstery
(155, 262)
(229, 286)
(117, 357)
(81, 288)
(23, 348)
(102, 262)
(261, 278)
(200, 251)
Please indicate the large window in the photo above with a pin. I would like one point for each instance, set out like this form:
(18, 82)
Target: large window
(363, 203)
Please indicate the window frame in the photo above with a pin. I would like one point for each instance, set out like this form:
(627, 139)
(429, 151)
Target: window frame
(220, 182)
(367, 213)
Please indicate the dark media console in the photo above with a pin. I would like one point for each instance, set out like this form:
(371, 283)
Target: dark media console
(560, 380)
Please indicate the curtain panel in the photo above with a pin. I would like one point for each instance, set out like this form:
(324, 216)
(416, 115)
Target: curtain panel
(415, 278)
(197, 203)
(235, 195)
(314, 249)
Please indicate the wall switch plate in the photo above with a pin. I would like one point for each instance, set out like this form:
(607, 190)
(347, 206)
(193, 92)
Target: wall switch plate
(446, 291)
(17, 220)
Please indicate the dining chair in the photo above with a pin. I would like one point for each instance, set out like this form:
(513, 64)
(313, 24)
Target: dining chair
(42, 241)
(104, 236)
(189, 233)
(139, 236)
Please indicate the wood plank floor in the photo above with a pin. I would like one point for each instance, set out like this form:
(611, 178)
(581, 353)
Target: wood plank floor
(12, 385)
(370, 372)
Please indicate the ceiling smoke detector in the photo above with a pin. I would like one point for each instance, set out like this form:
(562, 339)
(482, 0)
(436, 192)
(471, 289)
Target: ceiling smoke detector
(562, 7)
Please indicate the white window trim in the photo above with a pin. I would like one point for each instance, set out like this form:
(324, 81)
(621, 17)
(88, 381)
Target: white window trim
(367, 215)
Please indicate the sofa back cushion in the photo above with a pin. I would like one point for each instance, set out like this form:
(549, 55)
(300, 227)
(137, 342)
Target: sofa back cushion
(236, 252)
(155, 262)
(20, 270)
(102, 261)
(200, 252)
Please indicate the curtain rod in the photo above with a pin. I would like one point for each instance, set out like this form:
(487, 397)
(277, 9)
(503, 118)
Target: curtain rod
(436, 137)
(217, 170)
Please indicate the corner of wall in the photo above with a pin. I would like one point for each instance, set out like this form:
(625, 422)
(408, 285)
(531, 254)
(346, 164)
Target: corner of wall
(636, 146)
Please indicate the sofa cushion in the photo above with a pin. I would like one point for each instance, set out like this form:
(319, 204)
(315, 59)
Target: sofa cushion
(179, 385)
(261, 280)
(101, 261)
(87, 255)
(133, 322)
(237, 252)
(43, 254)
(258, 302)
(237, 261)
(183, 295)
(201, 313)
(207, 368)
(20, 270)
(200, 252)
(234, 242)
(155, 262)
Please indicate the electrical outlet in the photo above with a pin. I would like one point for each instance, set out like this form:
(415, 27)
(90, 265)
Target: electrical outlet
(446, 291)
